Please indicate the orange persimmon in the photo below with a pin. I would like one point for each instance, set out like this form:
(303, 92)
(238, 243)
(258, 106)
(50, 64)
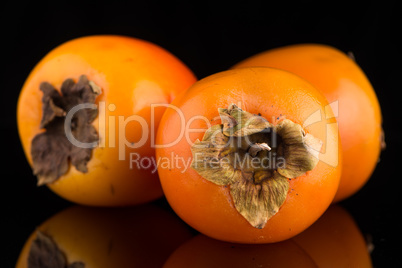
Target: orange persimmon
(79, 236)
(349, 91)
(94, 115)
(260, 172)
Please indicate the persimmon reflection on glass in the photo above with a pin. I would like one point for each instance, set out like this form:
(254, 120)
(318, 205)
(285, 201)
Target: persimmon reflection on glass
(202, 251)
(141, 236)
(335, 240)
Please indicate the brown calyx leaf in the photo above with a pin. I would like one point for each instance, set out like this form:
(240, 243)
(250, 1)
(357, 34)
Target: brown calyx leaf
(44, 253)
(257, 203)
(208, 155)
(300, 150)
(237, 153)
(51, 150)
(237, 122)
(50, 108)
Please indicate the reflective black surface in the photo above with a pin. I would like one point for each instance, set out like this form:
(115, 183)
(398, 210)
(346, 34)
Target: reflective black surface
(209, 37)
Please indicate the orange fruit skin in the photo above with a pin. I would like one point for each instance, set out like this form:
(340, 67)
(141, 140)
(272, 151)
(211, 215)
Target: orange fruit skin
(345, 85)
(202, 251)
(132, 74)
(207, 207)
(335, 240)
(140, 236)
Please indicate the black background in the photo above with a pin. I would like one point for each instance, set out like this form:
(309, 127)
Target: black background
(208, 36)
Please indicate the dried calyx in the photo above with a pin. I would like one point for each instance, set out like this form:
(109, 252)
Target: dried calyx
(44, 253)
(51, 150)
(256, 159)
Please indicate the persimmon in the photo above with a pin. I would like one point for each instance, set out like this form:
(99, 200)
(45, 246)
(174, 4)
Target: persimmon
(79, 236)
(85, 111)
(260, 172)
(350, 92)
(202, 251)
(335, 240)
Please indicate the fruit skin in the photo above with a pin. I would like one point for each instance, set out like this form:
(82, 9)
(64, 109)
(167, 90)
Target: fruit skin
(335, 240)
(132, 74)
(207, 207)
(138, 236)
(341, 80)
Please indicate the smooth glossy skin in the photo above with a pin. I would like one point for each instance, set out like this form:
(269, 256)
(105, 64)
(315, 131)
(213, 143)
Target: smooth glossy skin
(202, 251)
(141, 236)
(274, 94)
(132, 74)
(335, 240)
(343, 83)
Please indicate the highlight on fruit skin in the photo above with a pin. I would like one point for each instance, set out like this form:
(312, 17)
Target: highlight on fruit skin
(339, 77)
(90, 106)
(93, 237)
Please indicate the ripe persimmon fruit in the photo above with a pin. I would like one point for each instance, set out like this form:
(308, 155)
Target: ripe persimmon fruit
(349, 91)
(85, 109)
(97, 237)
(260, 172)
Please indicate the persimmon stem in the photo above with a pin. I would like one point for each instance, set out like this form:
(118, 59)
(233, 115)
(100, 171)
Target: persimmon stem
(257, 147)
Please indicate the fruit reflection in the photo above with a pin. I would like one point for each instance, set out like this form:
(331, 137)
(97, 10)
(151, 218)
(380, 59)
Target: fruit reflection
(202, 251)
(335, 241)
(88, 237)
